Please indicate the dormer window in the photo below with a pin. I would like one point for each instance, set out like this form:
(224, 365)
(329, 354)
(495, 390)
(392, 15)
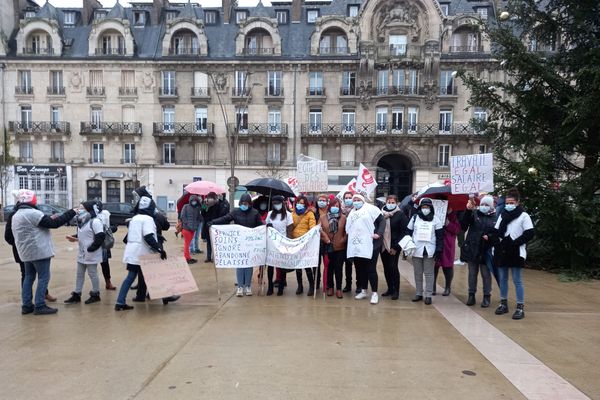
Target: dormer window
(139, 18)
(282, 17)
(210, 17)
(171, 15)
(29, 14)
(100, 15)
(483, 12)
(240, 16)
(311, 16)
(69, 18)
(353, 10)
(444, 7)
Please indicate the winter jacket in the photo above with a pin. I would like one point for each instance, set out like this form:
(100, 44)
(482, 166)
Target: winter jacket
(191, 216)
(140, 226)
(302, 223)
(510, 247)
(249, 218)
(217, 210)
(338, 239)
(30, 229)
(398, 223)
(476, 224)
(90, 237)
(450, 231)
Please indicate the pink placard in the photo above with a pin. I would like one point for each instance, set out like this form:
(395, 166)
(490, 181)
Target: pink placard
(168, 277)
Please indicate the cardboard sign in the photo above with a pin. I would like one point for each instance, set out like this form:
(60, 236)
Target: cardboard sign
(472, 173)
(440, 208)
(168, 277)
(312, 175)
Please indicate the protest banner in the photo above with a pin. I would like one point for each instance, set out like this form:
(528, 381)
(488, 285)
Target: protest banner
(168, 277)
(236, 246)
(472, 173)
(350, 187)
(440, 208)
(365, 182)
(292, 182)
(302, 252)
(312, 175)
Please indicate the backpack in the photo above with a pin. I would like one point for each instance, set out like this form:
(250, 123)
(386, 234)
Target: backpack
(109, 239)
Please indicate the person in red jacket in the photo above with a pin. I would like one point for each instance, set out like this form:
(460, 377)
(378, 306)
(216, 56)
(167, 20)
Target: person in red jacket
(446, 261)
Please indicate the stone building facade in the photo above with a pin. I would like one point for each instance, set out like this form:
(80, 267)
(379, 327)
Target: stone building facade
(150, 93)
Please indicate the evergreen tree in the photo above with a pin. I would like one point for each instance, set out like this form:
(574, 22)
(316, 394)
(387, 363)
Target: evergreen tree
(544, 123)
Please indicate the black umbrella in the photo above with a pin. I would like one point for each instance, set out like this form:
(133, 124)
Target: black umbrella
(270, 187)
(457, 202)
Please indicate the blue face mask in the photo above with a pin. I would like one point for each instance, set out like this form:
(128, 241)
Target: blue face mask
(300, 208)
(244, 207)
(484, 209)
(322, 203)
(335, 210)
(348, 202)
(194, 203)
(358, 204)
(510, 207)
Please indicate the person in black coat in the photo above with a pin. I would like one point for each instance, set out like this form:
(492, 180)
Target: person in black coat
(249, 217)
(395, 226)
(215, 208)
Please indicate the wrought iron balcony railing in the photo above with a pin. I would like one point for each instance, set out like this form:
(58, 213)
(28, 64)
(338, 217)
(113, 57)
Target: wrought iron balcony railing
(192, 129)
(111, 128)
(40, 127)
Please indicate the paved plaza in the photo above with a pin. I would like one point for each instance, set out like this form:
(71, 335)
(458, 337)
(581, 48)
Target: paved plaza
(296, 347)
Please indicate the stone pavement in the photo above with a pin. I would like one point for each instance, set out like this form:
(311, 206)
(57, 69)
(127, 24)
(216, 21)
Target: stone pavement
(295, 347)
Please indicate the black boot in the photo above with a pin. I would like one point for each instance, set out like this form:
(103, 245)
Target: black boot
(300, 289)
(486, 301)
(519, 312)
(270, 289)
(94, 298)
(471, 299)
(311, 290)
(347, 288)
(447, 292)
(395, 295)
(280, 289)
(75, 298)
(387, 293)
(170, 299)
(502, 308)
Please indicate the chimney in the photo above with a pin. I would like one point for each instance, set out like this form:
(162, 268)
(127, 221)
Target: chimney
(88, 10)
(157, 7)
(228, 6)
(297, 11)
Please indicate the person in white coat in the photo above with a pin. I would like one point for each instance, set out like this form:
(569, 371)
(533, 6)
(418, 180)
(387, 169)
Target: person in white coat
(104, 216)
(90, 237)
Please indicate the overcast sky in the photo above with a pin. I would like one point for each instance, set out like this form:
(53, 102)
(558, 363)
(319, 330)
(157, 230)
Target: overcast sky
(110, 3)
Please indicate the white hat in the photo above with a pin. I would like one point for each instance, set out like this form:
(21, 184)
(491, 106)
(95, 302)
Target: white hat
(360, 196)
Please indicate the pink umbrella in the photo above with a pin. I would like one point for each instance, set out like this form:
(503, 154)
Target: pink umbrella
(203, 188)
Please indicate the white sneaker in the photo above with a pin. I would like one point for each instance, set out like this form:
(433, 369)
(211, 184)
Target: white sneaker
(239, 292)
(458, 262)
(361, 295)
(248, 291)
(374, 298)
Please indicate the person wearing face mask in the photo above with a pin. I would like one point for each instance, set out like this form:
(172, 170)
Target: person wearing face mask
(304, 220)
(214, 209)
(395, 226)
(90, 235)
(347, 206)
(512, 231)
(262, 206)
(280, 219)
(446, 261)
(479, 224)
(190, 220)
(365, 227)
(246, 216)
(334, 238)
(428, 237)
(320, 214)
(194, 245)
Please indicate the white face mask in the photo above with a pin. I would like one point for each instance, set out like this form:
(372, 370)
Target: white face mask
(277, 207)
(426, 211)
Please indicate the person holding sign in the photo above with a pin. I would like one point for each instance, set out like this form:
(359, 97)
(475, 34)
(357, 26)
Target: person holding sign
(281, 220)
(348, 206)
(428, 236)
(365, 227)
(513, 230)
(334, 238)
(304, 220)
(250, 218)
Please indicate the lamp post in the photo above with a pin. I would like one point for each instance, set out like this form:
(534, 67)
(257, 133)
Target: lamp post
(232, 137)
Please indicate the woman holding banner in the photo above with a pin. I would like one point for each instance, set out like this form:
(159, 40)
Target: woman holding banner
(281, 220)
(304, 221)
(334, 238)
(249, 217)
(365, 227)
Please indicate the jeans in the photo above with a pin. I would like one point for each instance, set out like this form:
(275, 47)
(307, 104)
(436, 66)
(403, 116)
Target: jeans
(244, 277)
(41, 268)
(517, 280)
(336, 260)
(125, 286)
(194, 247)
(366, 271)
(390, 269)
(92, 270)
(208, 249)
(423, 266)
(489, 261)
(486, 277)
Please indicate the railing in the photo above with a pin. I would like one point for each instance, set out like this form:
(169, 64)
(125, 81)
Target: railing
(56, 90)
(385, 129)
(37, 51)
(23, 89)
(348, 91)
(127, 91)
(184, 51)
(25, 159)
(466, 49)
(200, 92)
(274, 92)
(95, 91)
(110, 51)
(315, 91)
(260, 129)
(40, 127)
(240, 92)
(338, 51)
(57, 160)
(167, 91)
(111, 128)
(128, 161)
(193, 129)
(448, 90)
(260, 51)
(399, 51)
(398, 91)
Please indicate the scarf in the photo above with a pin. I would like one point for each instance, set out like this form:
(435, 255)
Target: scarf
(333, 220)
(387, 234)
(507, 218)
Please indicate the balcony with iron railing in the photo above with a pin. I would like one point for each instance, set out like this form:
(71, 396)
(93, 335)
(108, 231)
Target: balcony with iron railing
(25, 159)
(38, 51)
(259, 51)
(348, 91)
(448, 91)
(385, 129)
(183, 129)
(111, 51)
(399, 51)
(200, 92)
(57, 160)
(334, 51)
(398, 91)
(260, 129)
(24, 90)
(95, 91)
(240, 92)
(167, 93)
(465, 49)
(125, 91)
(40, 127)
(315, 92)
(272, 91)
(184, 51)
(55, 90)
(111, 128)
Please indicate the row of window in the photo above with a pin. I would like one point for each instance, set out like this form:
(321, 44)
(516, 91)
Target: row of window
(113, 190)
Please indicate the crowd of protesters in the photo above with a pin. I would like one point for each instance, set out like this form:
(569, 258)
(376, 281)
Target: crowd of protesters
(354, 235)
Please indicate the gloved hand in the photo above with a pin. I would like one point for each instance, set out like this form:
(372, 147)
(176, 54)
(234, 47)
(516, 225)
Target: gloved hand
(163, 255)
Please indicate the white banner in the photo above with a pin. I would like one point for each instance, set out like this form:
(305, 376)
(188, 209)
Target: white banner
(472, 173)
(440, 208)
(292, 182)
(312, 175)
(235, 246)
(302, 252)
(350, 187)
(365, 182)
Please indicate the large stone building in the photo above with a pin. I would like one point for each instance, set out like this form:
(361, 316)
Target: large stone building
(95, 98)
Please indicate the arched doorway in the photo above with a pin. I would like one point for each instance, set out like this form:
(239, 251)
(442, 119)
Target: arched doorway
(394, 176)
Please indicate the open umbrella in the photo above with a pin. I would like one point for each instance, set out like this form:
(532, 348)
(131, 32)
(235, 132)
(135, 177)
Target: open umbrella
(457, 202)
(203, 188)
(270, 187)
(182, 201)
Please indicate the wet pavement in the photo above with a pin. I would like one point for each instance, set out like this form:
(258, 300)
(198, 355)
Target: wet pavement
(296, 347)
